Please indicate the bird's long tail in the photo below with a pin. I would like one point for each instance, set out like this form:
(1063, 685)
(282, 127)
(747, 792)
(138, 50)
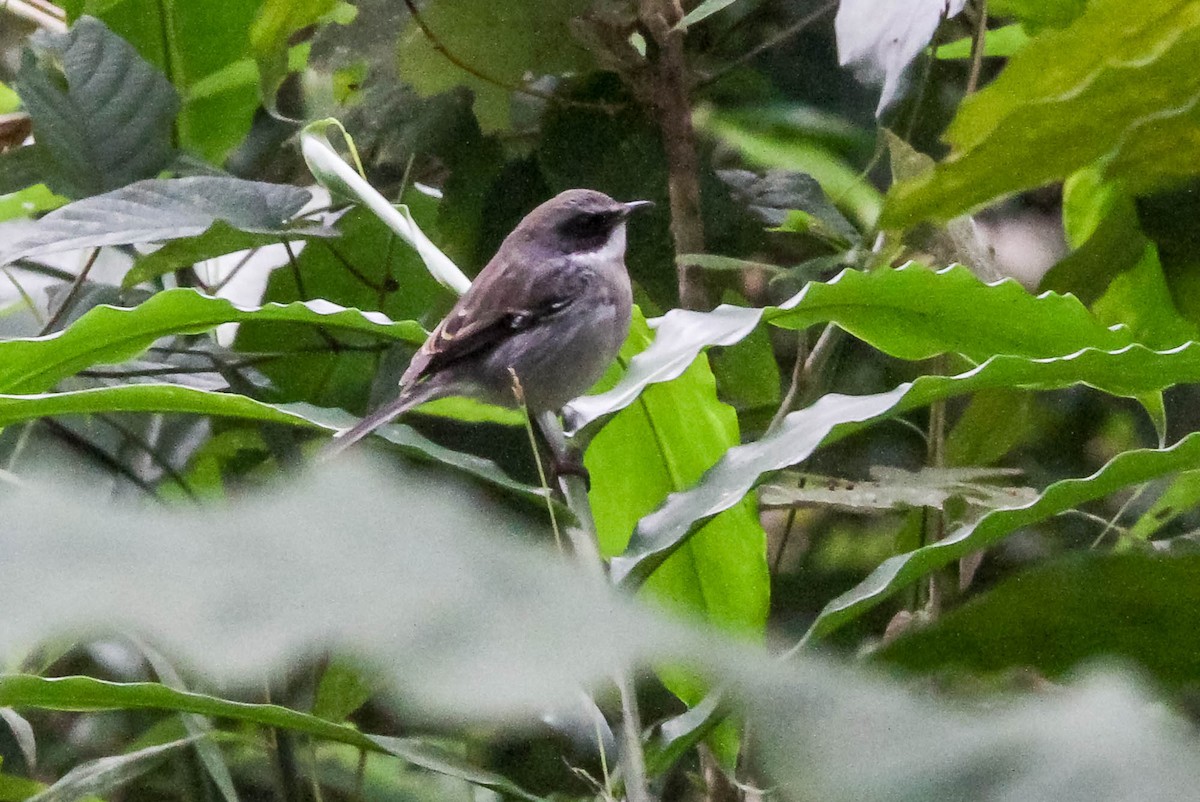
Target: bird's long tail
(380, 417)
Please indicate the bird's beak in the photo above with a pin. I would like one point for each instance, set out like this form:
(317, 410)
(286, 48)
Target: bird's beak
(633, 206)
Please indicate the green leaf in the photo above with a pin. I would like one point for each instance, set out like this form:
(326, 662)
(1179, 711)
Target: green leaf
(999, 43)
(177, 399)
(110, 334)
(367, 267)
(219, 240)
(994, 422)
(503, 43)
(1180, 497)
(29, 202)
(110, 125)
(107, 774)
(1132, 371)
(1124, 470)
(159, 210)
(1070, 97)
(764, 147)
(84, 694)
(651, 450)
(20, 168)
(1045, 619)
(189, 43)
(910, 312)
(273, 26)
(1039, 13)
(341, 691)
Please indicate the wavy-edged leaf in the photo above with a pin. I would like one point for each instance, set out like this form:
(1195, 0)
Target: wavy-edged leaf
(85, 694)
(106, 774)
(1132, 371)
(1124, 470)
(157, 210)
(113, 334)
(110, 125)
(93, 780)
(177, 399)
(462, 617)
(649, 451)
(220, 239)
(1058, 615)
(1070, 97)
(910, 312)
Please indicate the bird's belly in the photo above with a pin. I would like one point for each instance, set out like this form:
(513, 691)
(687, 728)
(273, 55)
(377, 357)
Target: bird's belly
(562, 358)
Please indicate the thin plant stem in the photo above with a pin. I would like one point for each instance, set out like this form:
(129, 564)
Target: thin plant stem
(978, 45)
(587, 552)
(519, 393)
(1111, 524)
(25, 297)
(789, 398)
(71, 293)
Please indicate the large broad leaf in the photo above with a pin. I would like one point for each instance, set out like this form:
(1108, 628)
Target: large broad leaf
(910, 313)
(221, 239)
(660, 445)
(176, 399)
(1054, 617)
(110, 125)
(1098, 740)
(443, 599)
(764, 143)
(1070, 97)
(469, 622)
(107, 774)
(191, 43)
(1132, 371)
(112, 334)
(159, 210)
(1129, 468)
(498, 44)
(85, 694)
(275, 23)
(1035, 14)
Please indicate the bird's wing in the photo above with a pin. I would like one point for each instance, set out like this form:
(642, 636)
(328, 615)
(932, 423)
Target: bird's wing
(504, 299)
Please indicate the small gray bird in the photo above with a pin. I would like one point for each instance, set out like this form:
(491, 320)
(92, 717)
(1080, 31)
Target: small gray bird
(552, 307)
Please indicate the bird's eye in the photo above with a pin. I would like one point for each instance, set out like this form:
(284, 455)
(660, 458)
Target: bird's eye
(589, 225)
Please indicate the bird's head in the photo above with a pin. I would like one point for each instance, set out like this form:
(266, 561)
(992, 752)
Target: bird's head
(579, 221)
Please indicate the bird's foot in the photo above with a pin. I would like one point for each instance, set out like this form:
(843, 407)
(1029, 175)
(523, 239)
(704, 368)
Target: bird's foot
(571, 464)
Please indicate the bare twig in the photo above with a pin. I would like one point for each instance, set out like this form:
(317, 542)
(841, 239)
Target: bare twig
(978, 45)
(662, 85)
(71, 293)
(587, 552)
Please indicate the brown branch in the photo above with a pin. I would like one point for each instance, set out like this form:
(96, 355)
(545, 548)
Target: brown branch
(71, 294)
(662, 85)
(978, 45)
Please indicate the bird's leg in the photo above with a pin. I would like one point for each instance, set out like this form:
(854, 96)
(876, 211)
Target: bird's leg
(570, 463)
(565, 460)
